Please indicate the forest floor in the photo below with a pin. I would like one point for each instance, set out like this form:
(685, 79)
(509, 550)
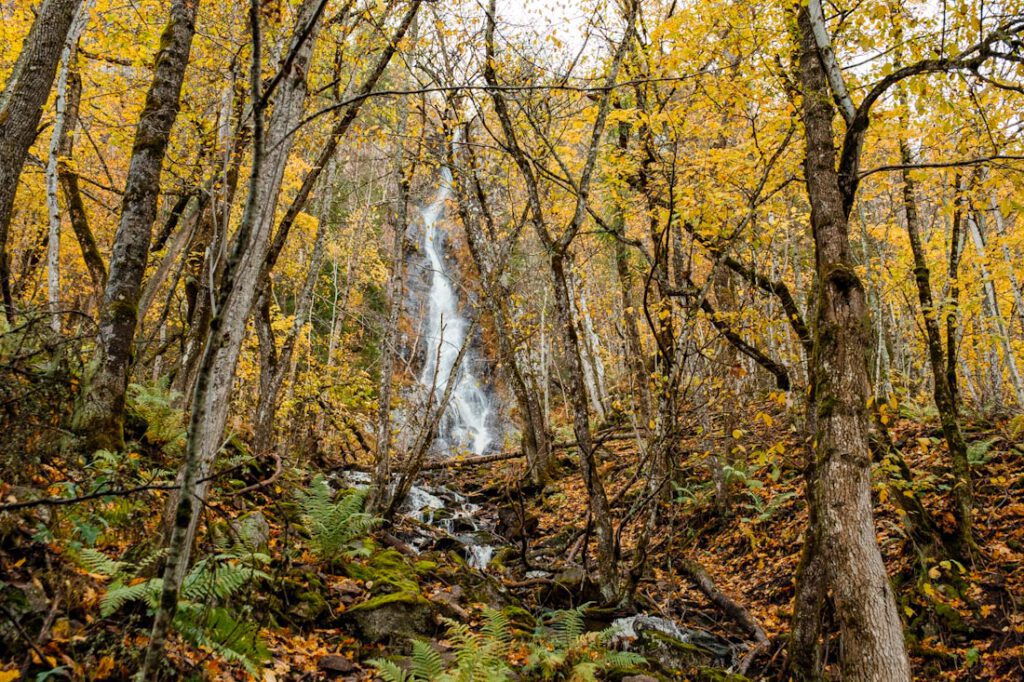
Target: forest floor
(304, 615)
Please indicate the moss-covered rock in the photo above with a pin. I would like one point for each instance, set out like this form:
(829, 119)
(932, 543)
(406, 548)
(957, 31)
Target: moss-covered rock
(396, 615)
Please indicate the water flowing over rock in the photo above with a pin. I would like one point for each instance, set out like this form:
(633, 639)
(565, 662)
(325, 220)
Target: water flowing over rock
(467, 422)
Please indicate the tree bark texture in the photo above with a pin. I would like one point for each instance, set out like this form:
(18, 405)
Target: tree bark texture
(870, 628)
(21, 107)
(99, 417)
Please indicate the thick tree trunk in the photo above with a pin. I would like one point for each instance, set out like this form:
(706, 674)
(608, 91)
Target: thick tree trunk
(844, 533)
(99, 416)
(945, 401)
(21, 107)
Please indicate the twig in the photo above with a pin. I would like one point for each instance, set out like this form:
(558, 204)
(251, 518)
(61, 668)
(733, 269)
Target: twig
(278, 468)
(110, 492)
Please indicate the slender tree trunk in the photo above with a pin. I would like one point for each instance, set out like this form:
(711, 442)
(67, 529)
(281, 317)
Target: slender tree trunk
(844, 533)
(204, 264)
(945, 403)
(599, 508)
(536, 444)
(99, 416)
(235, 300)
(383, 489)
(64, 123)
(68, 180)
(640, 382)
(21, 107)
(956, 239)
(593, 367)
(728, 364)
(270, 390)
(976, 230)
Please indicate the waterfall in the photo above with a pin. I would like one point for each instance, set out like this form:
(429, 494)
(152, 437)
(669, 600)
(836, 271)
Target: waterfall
(466, 422)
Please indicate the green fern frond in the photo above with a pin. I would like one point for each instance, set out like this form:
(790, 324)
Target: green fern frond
(389, 671)
(622, 660)
(497, 627)
(584, 672)
(334, 526)
(426, 663)
(218, 630)
(95, 561)
(119, 594)
(568, 625)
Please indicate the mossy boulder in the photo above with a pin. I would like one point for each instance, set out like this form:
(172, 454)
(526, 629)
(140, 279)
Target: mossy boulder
(396, 615)
(396, 608)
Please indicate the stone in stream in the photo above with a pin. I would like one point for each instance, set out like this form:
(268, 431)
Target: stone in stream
(676, 649)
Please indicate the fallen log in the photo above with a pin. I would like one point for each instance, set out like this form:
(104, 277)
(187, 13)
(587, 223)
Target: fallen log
(600, 438)
(470, 461)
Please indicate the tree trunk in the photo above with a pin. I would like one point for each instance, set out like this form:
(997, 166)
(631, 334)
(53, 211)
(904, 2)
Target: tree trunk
(204, 263)
(74, 204)
(976, 231)
(491, 259)
(945, 402)
(270, 390)
(599, 508)
(21, 107)
(99, 416)
(235, 300)
(844, 533)
(956, 239)
(64, 122)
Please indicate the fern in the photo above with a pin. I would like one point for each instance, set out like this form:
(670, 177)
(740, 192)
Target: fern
(165, 423)
(978, 451)
(334, 526)
(389, 671)
(568, 625)
(478, 657)
(426, 662)
(497, 629)
(560, 649)
(95, 561)
(201, 617)
(219, 631)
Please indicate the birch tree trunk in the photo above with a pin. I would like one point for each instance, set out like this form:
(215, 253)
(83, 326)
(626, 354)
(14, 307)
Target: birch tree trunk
(976, 230)
(99, 416)
(60, 145)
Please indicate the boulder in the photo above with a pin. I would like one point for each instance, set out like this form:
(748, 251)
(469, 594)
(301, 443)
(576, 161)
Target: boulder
(398, 615)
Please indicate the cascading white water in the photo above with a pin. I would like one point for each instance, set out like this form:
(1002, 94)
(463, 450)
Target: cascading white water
(465, 425)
